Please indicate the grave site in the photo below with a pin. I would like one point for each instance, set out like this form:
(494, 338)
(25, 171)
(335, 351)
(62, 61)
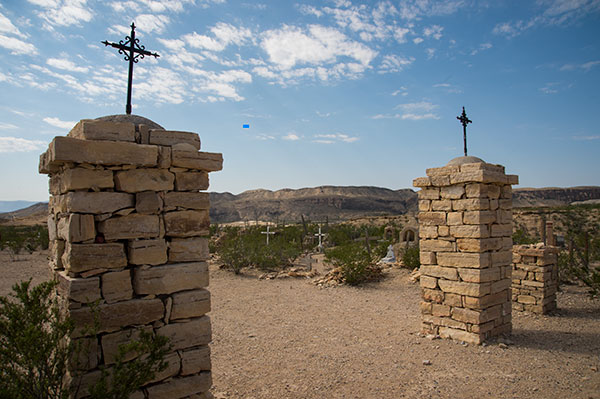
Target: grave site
(128, 228)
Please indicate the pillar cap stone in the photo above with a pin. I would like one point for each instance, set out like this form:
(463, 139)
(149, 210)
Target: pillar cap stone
(463, 160)
(135, 119)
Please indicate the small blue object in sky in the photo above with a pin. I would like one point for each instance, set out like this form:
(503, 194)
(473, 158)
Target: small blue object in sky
(246, 126)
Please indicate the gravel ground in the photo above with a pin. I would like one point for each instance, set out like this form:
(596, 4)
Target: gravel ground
(287, 338)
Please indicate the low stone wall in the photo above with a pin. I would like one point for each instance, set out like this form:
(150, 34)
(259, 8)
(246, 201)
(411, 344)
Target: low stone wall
(534, 278)
(128, 230)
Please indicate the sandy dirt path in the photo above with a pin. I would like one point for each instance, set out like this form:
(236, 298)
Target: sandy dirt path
(287, 338)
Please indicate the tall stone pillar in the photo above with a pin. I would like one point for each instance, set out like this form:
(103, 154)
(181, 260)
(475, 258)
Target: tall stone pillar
(128, 228)
(465, 226)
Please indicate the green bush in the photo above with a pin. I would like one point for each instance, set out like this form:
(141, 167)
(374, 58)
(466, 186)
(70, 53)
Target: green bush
(520, 237)
(17, 238)
(354, 262)
(411, 257)
(35, 351)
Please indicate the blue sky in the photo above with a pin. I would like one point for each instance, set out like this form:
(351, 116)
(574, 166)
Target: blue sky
(335, 92)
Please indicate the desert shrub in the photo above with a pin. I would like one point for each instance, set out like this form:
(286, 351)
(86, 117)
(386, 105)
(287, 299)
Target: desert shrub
(17, 238)
(354, 262)
(411, 257)
(35, 351)
(520, 237)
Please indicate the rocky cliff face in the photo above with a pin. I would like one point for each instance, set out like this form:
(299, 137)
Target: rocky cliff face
(314, 203)
(553, 196)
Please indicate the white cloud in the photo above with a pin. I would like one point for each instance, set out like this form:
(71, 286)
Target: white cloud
(430, 53)
(414, 9)
(412, 111)
(400, 34)
(586, 138)
(156, 6)
(418, 117)
(434, 31)
(291, 137)
(310, 10)
(333, 138)
(65, 64)
(403, 91)
(482, 47)
(17, 144)
(418, 40)
(6, 26)
(585, 66)
(6, 126)
(264, 137)
(17, 46)
(394, 63)
(417, 107)
(152, 23)
(59, 123)
(289, 46)
(63, 12)
(224, 35)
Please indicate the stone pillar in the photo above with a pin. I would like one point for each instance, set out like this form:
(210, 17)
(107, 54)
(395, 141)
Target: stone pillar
(550, 240)
(128, 229)
(534, 278)
(465, 226)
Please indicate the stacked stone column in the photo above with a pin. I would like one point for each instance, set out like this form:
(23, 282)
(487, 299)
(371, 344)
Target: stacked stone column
(465, 226)
(534, 278)
(128, 230)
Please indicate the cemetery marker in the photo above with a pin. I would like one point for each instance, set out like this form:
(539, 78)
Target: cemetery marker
(465, 121)
(132, 50)
(268, 233)
(320, 235)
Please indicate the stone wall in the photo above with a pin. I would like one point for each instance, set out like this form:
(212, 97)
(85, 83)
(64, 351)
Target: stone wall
(534, 278)
(128, 227)
(465, 227)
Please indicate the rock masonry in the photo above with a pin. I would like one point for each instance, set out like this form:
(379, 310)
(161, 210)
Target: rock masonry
(128, 223)
(534, 278)
(465, 228)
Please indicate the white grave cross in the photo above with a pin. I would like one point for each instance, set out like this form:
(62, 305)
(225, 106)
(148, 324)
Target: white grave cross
(320, 235)
(268, 233)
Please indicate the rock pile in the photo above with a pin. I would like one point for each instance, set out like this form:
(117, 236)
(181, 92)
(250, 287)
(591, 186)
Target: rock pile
(534, 278)
(128, 229)
(465, 227)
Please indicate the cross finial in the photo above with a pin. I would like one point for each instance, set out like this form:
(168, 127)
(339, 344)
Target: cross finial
(132, 49)
(464, 121)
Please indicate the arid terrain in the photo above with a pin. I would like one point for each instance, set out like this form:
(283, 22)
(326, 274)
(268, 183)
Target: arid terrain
(287, 338)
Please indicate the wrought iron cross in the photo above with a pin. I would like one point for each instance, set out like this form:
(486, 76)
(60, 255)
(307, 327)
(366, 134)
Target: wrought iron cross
(465, 121)
(132, 50)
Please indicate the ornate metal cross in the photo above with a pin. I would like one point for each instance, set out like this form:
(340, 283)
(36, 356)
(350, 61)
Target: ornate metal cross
(465, 121)
(132, 50)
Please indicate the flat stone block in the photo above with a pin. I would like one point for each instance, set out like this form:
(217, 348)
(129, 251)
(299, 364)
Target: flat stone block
(444, 170)
(448, 273)
(81, 179)
(67, 149)
(479, 217)
(427, 258)
(502, 230)
(460, 335)
(452, 192)
(436, 295)
(89, 129)
(422, 182)
(428, 282)
(190, 304)
(172, 137)
(463, 288)
(76, 227)
(136, 180)
(173, 367)
(480, 275)
(90, 202)
(195, 360)
(441, 205)
(181, 387)
(206, 161)
(187, 200)
(473, 204)
(479, 244)
(437, 245)
(188, 249)
(79, 258)
(116, 286)
(432, 193)
(170, 278)
(84, 290)
(444, 321)
(148, 203)
(130, 227)
(428, 232)
(432, 218)
(487, 301)
(117, 315)
(191, 181)
(111, 342)
(457, 259)
(470, 231)
(187, 223)
(454, 219)
(187, 334)
(147, 252)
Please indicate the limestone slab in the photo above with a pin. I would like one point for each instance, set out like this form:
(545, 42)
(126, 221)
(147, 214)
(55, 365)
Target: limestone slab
(76, 227)
(187, 334)
(187, 223)
(147, 252)
(464, 288)
(188, 249)
(81, 179)
(110, 343)
(84, 290)
(191, 181)
(187, 200)
(130, 226)
(181, 387)
(206, 161)
(195, 360)
(79, 258)
(116, 286)
(89, 129)
(457, 259)
(67, 149)
(91, 202)
(190, 304)
(173, 137)
(170, 278)
(137, 180)
(148, 202)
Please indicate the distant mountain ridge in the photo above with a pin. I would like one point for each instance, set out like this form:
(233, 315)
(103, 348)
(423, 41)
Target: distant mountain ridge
(9, 206)
(333, 202)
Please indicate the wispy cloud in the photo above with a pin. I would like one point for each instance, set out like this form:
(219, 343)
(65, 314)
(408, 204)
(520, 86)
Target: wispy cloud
(412, 111)
(291, 137)
(333, 138)
(7, 126)
(6, 26)
(17, 46)
(66, 64)
(17, 144)
(585, 66)
(59, 123)
(63, 12)
(482, 47)
(434, 31)
(549, 88)
(403, 91)
(586, 138)
(394, 63)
